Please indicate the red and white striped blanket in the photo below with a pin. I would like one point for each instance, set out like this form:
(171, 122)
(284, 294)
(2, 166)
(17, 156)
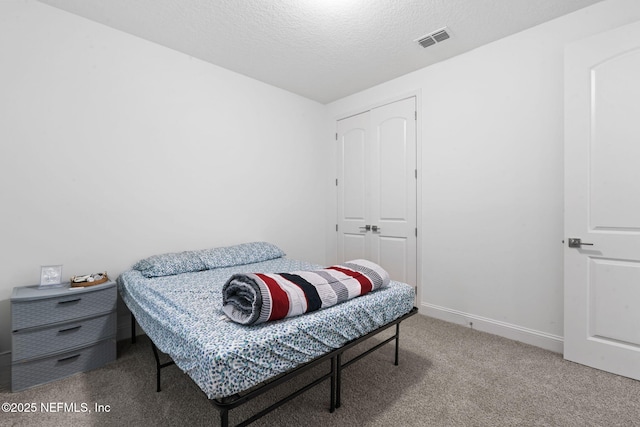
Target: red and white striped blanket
(250, 298)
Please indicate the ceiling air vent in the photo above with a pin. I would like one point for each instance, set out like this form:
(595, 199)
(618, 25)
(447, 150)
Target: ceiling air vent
(434, 37)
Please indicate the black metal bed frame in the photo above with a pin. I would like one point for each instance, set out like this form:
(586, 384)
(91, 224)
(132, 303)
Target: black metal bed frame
(334, 374)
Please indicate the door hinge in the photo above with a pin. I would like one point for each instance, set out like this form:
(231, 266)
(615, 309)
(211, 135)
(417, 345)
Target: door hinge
(416, 173)
(416, 114)
(336, 136)
(416, 231)
(336, 227)
(336, 182)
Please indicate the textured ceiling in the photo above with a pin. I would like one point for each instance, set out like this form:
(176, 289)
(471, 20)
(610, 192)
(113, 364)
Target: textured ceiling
(320, 49)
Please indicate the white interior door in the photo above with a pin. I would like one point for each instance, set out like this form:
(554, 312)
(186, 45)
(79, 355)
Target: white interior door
(602, 201)
(377, 188)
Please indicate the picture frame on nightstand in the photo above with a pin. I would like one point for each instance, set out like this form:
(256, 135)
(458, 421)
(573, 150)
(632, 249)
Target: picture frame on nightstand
(50, 276)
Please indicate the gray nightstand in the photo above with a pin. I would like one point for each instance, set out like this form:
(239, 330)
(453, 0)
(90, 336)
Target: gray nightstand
(60, 331)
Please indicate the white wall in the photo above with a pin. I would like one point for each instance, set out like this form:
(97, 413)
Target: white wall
(113, 149)
(491, 176)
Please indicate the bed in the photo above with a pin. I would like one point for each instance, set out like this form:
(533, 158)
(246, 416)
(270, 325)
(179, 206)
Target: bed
(177, 300)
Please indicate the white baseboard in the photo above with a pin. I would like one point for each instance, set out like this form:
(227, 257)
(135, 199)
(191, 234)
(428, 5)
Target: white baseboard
(544, 340)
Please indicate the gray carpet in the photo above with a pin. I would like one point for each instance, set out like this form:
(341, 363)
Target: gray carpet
(449, 375)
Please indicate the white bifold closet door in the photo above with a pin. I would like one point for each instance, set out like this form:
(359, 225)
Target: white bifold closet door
(377, 184)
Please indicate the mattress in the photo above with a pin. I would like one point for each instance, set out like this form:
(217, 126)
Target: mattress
(182, 314)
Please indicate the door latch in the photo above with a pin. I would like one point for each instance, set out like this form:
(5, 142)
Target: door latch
(577, 243)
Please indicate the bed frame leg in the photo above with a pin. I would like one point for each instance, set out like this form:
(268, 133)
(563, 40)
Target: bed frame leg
(133, 329)
(158, 366)
(334, 374)
(224, 417)
(338, 379)
(397, 342)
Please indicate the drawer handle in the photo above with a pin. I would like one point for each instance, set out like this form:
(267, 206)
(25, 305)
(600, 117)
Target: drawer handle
(68, 301)
(73, 328)
(65, 359)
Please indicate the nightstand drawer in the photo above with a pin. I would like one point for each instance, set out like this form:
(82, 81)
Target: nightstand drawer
(35, 342)
(72, 305)
(36, 372)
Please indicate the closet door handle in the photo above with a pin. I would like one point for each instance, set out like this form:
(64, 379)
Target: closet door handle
(375, 228)
(366, 228)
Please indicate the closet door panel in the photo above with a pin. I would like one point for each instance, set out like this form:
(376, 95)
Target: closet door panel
(353, 172)
(394, 188)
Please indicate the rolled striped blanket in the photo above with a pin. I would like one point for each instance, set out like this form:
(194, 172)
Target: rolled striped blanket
(250, 298)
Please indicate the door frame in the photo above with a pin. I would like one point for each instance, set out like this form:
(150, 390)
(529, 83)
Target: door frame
(332, 241)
